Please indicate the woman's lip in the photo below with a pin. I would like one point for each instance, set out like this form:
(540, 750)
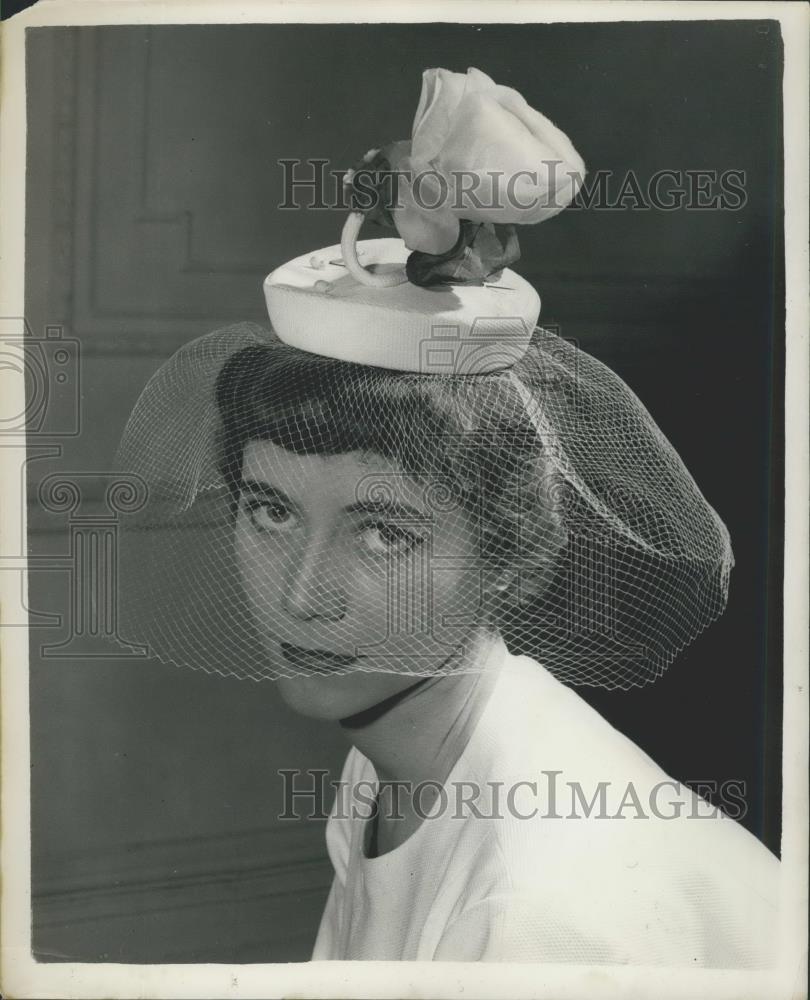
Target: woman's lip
(306, 657)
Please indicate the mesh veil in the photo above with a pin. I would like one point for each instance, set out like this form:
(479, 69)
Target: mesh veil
(301, 503)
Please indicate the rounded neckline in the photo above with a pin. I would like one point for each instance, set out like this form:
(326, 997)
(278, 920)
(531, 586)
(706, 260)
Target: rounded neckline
(498, 656)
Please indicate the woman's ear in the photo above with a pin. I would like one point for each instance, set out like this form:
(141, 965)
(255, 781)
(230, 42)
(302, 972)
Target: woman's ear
(498, 592)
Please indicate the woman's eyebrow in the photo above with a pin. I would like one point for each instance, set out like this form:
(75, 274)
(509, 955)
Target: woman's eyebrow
(258, 487)
(387, 508)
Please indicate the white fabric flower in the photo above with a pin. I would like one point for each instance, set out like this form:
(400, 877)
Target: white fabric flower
(478, 151)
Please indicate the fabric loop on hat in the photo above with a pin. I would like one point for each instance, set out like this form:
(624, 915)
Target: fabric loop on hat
(348, 248)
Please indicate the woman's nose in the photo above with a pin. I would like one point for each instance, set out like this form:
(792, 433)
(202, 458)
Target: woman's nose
(315, 587)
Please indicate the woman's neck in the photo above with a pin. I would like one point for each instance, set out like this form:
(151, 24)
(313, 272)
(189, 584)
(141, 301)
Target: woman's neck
(424, 731)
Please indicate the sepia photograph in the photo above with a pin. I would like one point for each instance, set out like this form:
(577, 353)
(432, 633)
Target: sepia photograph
(396, 553)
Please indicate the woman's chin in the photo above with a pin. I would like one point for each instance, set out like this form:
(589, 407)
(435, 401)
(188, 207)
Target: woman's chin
(339, 696)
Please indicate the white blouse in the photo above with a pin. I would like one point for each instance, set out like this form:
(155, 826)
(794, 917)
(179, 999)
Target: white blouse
(586, 853)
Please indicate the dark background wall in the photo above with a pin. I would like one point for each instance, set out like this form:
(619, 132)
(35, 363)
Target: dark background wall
(153, 186)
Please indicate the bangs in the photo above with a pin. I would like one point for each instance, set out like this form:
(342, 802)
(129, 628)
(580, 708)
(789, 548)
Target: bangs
(313, 405)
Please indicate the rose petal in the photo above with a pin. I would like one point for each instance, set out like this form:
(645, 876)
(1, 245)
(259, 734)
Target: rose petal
(479, 82)
(433, 233)
(431, 230)
(442, 92)
(542, 129)
(430, 85)
(486, 156)
(486, 138)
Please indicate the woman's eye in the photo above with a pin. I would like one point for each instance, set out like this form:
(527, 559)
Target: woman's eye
(268, 515)
(388, 538)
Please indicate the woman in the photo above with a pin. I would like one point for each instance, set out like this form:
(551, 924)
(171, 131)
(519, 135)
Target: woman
(400, 479)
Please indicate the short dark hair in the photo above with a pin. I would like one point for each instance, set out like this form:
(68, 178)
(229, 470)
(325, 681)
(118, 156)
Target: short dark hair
(472, 431)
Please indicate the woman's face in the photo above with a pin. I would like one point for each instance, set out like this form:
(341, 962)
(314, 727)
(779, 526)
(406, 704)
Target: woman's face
(358, 576)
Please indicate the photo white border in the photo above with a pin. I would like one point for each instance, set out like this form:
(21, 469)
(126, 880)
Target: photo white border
(20, 975)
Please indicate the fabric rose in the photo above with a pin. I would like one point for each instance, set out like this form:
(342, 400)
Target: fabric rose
(478, 151)
(480, 161)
